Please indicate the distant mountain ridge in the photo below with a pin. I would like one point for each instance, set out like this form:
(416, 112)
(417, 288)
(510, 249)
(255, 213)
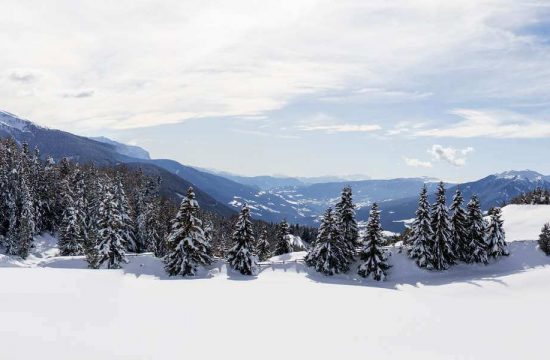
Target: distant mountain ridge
(270, 198)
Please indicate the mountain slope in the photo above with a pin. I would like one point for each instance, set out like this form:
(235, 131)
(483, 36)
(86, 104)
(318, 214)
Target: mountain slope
(59, 144)
(493, 190)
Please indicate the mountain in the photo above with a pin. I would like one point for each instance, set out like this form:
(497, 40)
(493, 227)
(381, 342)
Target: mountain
(270, 198)
(123, 149)
(493, 190)
(59, 144)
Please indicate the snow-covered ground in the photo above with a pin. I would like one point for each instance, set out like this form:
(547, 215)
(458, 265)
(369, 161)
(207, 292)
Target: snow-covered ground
(54, 308)
(524, 222)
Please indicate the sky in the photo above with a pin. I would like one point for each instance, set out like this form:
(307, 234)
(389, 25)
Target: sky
(448, 89)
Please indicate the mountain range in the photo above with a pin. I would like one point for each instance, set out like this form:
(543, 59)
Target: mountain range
(271, 198)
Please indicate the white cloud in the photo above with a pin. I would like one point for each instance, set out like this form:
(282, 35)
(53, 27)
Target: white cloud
(337, 128)
(491, 124)
(456, 157)
(196, 59)
(417, 163)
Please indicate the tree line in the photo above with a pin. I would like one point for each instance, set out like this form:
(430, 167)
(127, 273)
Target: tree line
(100, 212)
(103, 213)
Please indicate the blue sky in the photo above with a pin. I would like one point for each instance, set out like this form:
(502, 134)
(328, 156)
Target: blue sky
(453, 90)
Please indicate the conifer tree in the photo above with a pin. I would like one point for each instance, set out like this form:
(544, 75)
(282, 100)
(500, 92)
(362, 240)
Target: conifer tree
(111, 233)
(544, 239)
(70, 231)
(127, 229)
(262, 248)
(442, 242)
(345, 210)
(373, 255)
(187, 246)
(328, 255)
(420, 239)
(476, 233)
(496, 238)
(26, 221)
(284, 240)
(459, 228)
(241, 256)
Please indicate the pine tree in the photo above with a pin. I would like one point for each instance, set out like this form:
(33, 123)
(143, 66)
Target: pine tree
(459, 227)
(372, 254)
(127, 230)
(496, 242)
(544, 239)
(111, 231)
(262, 248)
(241, 256)
(328, 255)
(26, 221)
(476, 233)
(442, 242)
(345, 210)
(284, 240)
(421, 232)
(70, 231)
(187, 246)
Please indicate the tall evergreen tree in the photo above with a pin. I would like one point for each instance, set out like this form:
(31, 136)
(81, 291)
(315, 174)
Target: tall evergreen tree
(496, 238)
(187, 246)
(241, 256)
(544, 239)
(373, 255)
(127, 229)
(262, 248)
(26, 221)
(70, 233)
(284, 240)
(345, 210)
(111, 247)
(420, 239)
(476, 232)
(442, 242)
(459, 228)
(328, 255)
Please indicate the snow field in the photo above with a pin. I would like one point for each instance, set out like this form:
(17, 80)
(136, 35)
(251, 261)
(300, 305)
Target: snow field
(54, 308)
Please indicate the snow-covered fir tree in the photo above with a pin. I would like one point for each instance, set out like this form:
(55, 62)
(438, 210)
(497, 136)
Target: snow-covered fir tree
(372, 254)
(262, 248)
(187, 246)
(544, 239)
(241, 256)
(26, 221)
(345, 212)
(421, 234)
(284, 239)
(459, 228)
(442, 241)
(476, 233)
(111, 247)
(496, 238)
(70, 239)
(328, 255)
(119, 197)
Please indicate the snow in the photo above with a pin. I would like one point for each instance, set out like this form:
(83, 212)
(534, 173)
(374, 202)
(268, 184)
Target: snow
(54, 307)
(12, 121)
(524, 222)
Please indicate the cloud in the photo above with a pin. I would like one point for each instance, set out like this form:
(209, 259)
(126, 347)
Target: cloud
(491, 124)
(456, 157)
(417, 163)
(341, 128)
(78, 94)
(23, 76)
(248, 58)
